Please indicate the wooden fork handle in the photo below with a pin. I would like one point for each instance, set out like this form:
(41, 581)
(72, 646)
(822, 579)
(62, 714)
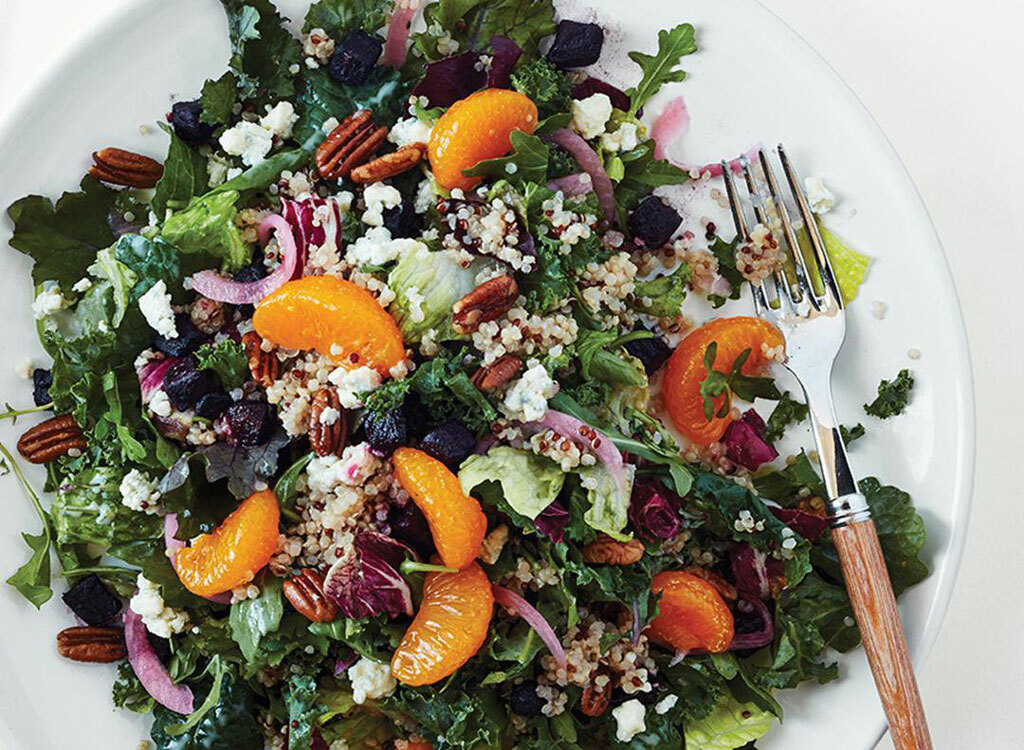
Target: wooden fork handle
(875, 609)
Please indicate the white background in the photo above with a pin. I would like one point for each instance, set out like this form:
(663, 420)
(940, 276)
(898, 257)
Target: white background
(944, 80)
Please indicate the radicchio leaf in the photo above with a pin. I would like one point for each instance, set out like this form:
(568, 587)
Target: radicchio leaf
(590, 86)
(505, 54)
(456, 77)
(807, 525)
(754, 571)
(552, 521)
(654, 510)
(370, 583)
(243, 467)
(745, 444)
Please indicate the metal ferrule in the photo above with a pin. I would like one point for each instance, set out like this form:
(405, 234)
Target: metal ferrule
(848, 509)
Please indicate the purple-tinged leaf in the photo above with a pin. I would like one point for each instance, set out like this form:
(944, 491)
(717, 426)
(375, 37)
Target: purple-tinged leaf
(371, 583)
(504, 55)
(744, 443)
(654, 510)
(552, 521)
(456, 77)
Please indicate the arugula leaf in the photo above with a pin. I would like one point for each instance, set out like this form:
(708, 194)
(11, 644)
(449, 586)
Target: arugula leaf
(254, 618)
(218, 99)
(184, 175)
(663, 296)
(286, 488)
(893, 396)
(339, 16)
(642, 172)
(731, 724)
(596, 351)
(32, 580)
(717, 384)
(788, 411)
(528, 161)
(227, 359)
(63, 239)
(303, 711)
(262, 50)
(725, 254)
(660, 68)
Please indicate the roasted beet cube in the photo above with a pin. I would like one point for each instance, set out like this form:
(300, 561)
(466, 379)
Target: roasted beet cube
(355, 57)
(186, 117)
(41, 382)
(189, 338)
(92, 601)
(576, 44)
(652, 352)
(185, 383)
(387, 431)
(402, 220)
(654, 222)
(253, 272)
(451, 443)
(210, 405)
(248, 423)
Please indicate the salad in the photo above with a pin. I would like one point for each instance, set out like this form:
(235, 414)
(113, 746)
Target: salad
(381, 414)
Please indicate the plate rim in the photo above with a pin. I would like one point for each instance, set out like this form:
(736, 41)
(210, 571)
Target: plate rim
(950, 561)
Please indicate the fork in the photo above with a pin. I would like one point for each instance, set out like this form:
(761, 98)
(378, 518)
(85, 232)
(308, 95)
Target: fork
(813, 322)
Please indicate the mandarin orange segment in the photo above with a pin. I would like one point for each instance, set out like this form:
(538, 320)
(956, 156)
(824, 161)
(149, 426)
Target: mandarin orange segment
(457, 523)
(336, 317)
(449, 628)
(685, 371)
(477, 128)
(233, 553)
(692, 614)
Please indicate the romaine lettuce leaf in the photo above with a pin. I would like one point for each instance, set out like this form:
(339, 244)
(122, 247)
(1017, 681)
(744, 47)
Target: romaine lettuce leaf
(731, 725)
(529, 482)
(609, 500)
(207, 226)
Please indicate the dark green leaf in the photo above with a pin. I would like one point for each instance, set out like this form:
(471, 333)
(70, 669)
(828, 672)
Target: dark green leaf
(129, 693)
(546, 86)
(528, 161)
(788, 411)
(184, 175)
(851, 433)
(218, 99)
(228, 359)
(893, 396)
(339, 16)
(254, 618)
(301, 699)
(321, 97)
(662, 297)
(262, 50)
(286, 489)
(661, 67)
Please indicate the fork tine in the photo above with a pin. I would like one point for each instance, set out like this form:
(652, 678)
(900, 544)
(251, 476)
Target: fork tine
(828, 276)
(758, 200)
(761, 306)
(800, 265)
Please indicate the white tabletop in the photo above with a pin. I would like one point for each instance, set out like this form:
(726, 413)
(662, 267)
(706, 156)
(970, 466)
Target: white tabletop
(943, 78)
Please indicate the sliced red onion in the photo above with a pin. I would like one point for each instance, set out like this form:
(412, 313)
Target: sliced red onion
(671, 125)
(172, 544)
(637, 629)
(535, 619)
(743, 641)
(212, 285)
(396, 48)
(590, 162)
(150, 671)
(151, 376)
(593, 440)
(572, 185)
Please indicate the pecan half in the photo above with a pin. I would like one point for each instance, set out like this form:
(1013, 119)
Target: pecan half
(305, 592)
(500, 371)
(489, 301)
(726, 589)
(349, 145)
(391, 164)
(120, 167)
(597, 697)
(57, 436)
(328, 430)
(263, 365)
(99, 645)
(607, 551)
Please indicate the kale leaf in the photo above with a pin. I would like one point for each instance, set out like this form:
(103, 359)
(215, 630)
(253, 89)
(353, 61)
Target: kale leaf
(339, 16)
(546, 86)
(262, 50)
(893, 396)
(303, 710)
(788, 411)
(63, 239)
(129, 693)
(184, 175)
(851, 433)
(227, 359)
(230, 723)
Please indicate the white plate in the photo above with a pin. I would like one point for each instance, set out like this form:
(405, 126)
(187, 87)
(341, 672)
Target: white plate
(754, 80)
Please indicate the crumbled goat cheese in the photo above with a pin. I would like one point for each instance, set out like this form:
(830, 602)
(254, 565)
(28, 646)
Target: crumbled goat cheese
(330, 416)
(248, 140)
(629, 720)
(352, 383)
(426, 195)
(377, 247)
(527, 399)
(371, 680)
(139, 492)
(155, 305)
(82, 286)
(279, 119)
(590, 115)
(48, 302)
(160, 404)
(378, 197)
(819, 197)
(24, 368)
(666, 704)
(410, 130)
(626, 138)
(159, 619)
(217, 167)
